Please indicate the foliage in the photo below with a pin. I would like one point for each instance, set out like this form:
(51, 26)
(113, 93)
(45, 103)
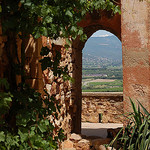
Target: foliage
(42, 17)
(29, 122)
(111, 86)
(32, 128)
(28, 119)
(136, 135)
(5, 97)
(112, 73)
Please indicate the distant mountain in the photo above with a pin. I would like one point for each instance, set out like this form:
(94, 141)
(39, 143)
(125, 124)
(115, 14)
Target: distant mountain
(102, 51)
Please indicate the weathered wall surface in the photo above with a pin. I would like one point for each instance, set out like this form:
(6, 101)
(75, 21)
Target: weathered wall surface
(60, 89)
(136, 52)
(109, 104)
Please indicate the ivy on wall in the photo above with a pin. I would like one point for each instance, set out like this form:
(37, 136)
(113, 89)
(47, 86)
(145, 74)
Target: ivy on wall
(24, 121)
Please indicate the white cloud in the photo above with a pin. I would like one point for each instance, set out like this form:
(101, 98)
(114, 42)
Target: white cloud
(102, 33)
(105, 35)
(103, 44)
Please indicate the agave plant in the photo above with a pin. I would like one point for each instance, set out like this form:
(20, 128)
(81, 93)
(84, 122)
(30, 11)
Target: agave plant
(136, 134)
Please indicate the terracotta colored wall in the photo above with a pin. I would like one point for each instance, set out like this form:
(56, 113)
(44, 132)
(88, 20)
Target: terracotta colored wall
(136, 52)
(33, 66)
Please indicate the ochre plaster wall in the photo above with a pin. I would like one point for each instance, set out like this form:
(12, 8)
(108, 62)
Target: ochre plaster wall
(136, 52)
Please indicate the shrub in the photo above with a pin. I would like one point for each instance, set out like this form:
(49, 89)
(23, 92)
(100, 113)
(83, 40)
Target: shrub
(136, 134)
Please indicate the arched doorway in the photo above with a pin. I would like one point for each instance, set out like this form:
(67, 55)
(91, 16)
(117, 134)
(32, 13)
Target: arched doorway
(93, 22)
(102, 84)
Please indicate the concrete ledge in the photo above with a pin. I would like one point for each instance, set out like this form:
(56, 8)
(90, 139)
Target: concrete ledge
(97, 94)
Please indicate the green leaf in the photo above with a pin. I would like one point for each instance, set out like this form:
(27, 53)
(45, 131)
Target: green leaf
(23, 119)
(42, 127)
(44, 31)
(37, 35)
(69, 13)
(0, 8)
(28, 3)
(80, 32)
(46, 122)
(23, 136)
(135, 111)
(74, 29)
(48, 19)
(2, 136)
(144, 109)
(68, 42)
(22, 1)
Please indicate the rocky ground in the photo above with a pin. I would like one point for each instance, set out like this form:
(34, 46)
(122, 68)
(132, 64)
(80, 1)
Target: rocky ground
(87, 142)
(81, 142)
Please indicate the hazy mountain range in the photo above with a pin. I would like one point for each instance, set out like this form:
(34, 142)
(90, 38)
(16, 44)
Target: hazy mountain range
(102, 51)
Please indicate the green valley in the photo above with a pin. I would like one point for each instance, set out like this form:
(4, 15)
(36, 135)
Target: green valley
(102, 65)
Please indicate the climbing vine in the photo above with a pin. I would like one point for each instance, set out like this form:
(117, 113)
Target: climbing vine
(24, 120)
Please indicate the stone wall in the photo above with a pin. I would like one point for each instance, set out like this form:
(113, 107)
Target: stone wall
(109, 104)
(55, 86)
(59, 88)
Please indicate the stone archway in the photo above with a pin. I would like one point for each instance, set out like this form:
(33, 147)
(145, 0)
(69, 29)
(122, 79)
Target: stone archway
(133, 28)
(96, 21)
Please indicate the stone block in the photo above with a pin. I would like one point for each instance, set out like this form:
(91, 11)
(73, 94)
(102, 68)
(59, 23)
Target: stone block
(75, 137)
(67, 145)
(97, 142)
(101, 147)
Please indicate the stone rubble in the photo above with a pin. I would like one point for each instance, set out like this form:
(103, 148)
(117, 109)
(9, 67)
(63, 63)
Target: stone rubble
(82, 142)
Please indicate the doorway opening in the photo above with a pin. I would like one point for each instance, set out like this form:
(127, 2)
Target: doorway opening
(102, 84)
(102, 63)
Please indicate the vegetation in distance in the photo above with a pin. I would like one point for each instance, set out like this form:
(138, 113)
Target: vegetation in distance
(112, 80)
(114, 86)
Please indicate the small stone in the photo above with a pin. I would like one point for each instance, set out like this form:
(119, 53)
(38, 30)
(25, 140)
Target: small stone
(84, 141)
(102, 147)
(97, 142)
(75, 137)
(82, 146)
(67, 144)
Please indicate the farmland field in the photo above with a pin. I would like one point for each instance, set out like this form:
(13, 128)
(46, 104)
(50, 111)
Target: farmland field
(102, 85)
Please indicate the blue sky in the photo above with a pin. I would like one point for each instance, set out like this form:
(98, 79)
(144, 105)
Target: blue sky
(101, 33)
